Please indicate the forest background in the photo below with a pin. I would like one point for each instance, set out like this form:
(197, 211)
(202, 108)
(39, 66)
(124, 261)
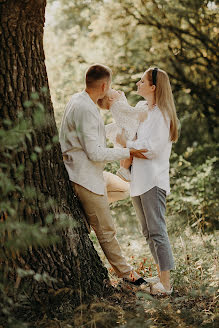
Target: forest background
(130, 36)
(181, 37)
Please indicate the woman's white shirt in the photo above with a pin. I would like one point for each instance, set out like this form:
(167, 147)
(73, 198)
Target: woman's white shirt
(153, 135)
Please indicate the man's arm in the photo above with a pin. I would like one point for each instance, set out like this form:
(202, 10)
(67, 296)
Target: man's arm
(87, 127)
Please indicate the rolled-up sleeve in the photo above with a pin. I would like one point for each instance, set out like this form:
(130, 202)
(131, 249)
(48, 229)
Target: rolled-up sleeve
(87, 128)
(157, 140)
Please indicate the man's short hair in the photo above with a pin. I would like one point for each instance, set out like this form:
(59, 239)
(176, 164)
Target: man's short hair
(97, 72)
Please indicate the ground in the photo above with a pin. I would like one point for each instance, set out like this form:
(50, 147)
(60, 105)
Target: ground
(195, 279)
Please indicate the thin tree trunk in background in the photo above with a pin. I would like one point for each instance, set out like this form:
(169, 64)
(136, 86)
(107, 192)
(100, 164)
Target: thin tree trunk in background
(74, 261)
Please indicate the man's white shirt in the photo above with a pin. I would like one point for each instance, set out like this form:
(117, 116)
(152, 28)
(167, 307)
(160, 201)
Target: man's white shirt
(83, 142)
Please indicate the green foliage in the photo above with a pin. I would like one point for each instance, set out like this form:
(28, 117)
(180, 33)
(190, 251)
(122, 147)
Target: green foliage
(179, 36)
(194, 178)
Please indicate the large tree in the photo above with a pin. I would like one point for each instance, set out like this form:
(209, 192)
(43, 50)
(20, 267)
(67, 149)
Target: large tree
(73, 261)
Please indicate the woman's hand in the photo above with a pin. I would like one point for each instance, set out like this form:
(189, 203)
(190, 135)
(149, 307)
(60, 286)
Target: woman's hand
(121, 139)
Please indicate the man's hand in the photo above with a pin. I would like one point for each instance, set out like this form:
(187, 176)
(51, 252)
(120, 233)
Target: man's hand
(138, 153)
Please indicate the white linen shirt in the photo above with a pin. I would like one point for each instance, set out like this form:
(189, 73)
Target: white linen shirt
(153, 135)
(83, 142)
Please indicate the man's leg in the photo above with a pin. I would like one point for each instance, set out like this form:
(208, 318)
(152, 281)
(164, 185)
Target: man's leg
(117, 189)
(98, 213)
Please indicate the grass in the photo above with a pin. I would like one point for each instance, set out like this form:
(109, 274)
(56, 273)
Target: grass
(194, 302)
(195, 279)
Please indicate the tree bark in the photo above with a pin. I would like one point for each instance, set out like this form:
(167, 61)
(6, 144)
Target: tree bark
(73, 262)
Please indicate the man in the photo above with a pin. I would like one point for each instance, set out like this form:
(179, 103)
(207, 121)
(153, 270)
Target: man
(83, 143)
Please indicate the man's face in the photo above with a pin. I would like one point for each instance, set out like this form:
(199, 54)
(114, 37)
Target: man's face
(106, 86)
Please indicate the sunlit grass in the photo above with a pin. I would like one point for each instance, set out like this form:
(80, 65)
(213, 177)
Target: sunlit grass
(195, 278)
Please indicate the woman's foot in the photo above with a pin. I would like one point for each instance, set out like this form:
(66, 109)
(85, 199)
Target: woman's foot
(165, 279)
(153, 280)
(159, 289)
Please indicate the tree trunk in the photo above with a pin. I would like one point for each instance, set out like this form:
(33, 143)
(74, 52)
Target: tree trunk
(73, 262)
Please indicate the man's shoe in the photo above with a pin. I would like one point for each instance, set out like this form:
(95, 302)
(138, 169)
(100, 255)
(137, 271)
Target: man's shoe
(158, 289)
(135, 282)
(140, 284)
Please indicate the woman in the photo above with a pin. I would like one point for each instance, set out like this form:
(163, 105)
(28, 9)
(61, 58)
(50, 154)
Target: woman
(150, 176)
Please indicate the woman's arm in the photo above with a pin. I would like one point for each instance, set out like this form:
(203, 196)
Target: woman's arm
(157, 140)
(154, 144)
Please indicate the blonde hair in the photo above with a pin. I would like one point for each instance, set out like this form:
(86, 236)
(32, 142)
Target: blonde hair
(164, 99)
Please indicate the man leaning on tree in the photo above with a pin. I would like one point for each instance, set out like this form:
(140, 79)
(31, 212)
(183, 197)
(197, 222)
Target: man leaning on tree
(83, 143)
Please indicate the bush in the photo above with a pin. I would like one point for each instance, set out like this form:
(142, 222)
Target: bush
(194, 180)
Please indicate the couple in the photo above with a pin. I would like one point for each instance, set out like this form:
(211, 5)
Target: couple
(83, 143)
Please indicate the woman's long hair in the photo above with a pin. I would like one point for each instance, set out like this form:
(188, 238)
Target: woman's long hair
(164, 100)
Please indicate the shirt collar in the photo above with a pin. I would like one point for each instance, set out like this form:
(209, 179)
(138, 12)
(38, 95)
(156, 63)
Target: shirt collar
(153, 109)
(86, 95)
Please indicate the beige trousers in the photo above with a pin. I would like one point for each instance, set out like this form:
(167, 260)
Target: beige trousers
(98, 214)
(117, 189)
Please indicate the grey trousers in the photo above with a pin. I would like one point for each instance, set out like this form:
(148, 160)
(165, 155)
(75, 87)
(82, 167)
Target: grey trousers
(150, 209)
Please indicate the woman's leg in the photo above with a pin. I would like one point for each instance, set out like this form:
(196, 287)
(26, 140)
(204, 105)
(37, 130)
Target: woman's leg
(136, 201)
(117, 189)
(154, 206)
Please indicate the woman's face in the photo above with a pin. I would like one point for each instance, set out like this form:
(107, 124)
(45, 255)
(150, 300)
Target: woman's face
(144, 87)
